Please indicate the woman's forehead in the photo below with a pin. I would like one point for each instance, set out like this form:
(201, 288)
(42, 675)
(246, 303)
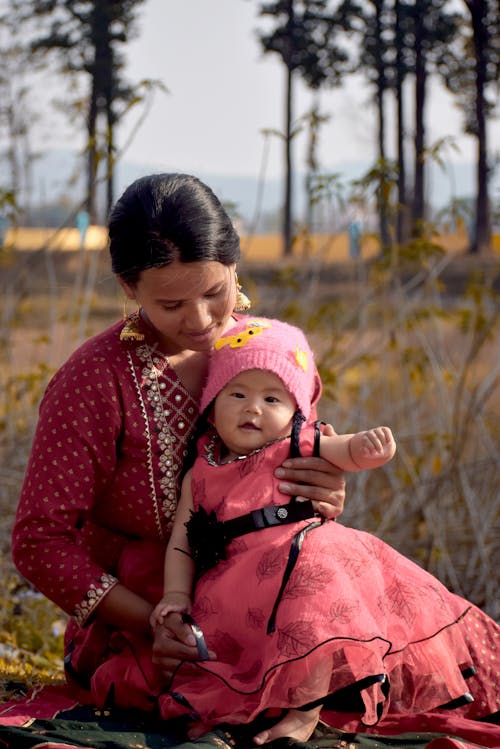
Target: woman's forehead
(178, 280)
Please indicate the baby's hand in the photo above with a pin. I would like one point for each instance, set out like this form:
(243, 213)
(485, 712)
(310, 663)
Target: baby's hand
(372, 448)
(179, 603)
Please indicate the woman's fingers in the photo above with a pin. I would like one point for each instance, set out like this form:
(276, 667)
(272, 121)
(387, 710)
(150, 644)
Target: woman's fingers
(315, 479)
(174, 642)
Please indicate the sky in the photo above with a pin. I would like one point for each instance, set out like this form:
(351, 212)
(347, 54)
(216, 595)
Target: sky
(223, 92)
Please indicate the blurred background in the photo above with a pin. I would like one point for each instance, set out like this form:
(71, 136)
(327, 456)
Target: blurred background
(355, 144)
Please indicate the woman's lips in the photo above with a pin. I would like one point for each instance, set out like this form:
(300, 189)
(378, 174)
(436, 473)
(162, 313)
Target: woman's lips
(202, 335)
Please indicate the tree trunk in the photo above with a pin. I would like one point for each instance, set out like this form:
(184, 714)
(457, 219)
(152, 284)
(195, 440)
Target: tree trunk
(420, 94)
(110, 133)
(110, 158)
(90, 201)
(383, 187)
(481, 241)
(287, 207)
(400, 129)
(381, 89)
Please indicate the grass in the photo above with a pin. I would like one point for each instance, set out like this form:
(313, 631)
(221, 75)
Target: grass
(410, 341)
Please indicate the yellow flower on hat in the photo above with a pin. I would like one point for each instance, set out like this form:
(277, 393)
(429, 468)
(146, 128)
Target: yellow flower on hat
(301, 358)
(253, 328)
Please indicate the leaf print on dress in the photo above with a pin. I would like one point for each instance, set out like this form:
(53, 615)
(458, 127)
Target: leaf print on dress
(238, 546)
(400, 600)
(437, 591)
(307, 580)
(354, 566)
(255, 618)
(202, 608)
(344, 611)
(375, 548)
(271, 564)
(226, 648)
(295, 639)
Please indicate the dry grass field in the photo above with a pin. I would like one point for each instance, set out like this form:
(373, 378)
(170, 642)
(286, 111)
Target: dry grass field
(265, 248)
(414, 345)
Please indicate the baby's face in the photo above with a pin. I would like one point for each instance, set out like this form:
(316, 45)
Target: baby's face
(254, 408)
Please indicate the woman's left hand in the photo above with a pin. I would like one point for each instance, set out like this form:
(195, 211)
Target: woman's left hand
(315, 479)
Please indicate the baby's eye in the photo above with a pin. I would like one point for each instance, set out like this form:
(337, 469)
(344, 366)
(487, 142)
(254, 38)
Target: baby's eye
(237, 395)
(271, 399)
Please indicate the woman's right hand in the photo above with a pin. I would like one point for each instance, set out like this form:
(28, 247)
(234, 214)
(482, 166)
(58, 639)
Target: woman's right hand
(173, 641)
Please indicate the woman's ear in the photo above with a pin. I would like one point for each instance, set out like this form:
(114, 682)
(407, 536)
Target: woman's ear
(128, 290)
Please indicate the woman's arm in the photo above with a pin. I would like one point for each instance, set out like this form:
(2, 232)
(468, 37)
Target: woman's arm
(69, 468)
(123, 609)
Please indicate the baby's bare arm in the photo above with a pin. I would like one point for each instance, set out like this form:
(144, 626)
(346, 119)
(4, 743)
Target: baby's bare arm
(362, 450)
(179, 567)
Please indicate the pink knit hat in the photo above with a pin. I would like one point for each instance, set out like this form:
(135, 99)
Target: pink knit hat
(262, 343)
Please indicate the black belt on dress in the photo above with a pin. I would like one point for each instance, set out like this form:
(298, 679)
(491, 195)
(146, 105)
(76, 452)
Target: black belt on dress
(208, 537)
(267, 517)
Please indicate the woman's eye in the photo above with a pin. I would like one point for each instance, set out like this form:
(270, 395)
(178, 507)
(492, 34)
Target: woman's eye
(218, 292)
(170, 307)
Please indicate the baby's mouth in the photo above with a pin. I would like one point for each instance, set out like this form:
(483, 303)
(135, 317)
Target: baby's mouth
(251, 427)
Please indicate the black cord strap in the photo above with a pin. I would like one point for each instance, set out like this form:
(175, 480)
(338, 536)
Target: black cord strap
(293, 555)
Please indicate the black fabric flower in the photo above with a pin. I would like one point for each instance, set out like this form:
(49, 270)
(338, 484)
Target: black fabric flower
(206, 539)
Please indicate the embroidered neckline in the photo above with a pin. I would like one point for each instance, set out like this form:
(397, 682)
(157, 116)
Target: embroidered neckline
(212, 455)
(169, 411)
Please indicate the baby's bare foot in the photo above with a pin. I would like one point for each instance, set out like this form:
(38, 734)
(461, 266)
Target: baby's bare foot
(297, 724)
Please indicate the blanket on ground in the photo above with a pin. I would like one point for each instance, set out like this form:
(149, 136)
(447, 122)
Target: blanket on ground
(55, 717)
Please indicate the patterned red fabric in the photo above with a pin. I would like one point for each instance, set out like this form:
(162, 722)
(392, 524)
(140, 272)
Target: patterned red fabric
(353, 607)
(104, 469)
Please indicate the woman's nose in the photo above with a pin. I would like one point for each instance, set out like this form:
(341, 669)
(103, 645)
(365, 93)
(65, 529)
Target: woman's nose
(198, 317)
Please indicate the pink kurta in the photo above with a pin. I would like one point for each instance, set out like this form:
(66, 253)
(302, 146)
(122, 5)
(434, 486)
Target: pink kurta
(104, 472)
(353, 609)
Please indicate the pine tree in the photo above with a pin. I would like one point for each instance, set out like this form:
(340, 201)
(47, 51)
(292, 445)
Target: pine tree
(304, 37)
(86, 36)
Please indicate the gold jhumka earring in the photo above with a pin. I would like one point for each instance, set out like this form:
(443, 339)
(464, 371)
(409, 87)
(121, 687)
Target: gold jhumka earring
(130, 331)
(243, 303)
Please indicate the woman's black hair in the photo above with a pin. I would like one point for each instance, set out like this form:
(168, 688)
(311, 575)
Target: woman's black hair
(165, 217)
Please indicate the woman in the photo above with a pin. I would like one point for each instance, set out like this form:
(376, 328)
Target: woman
(115, 421)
